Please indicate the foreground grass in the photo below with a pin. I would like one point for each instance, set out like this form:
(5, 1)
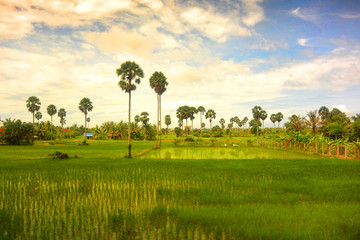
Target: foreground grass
(102, 195)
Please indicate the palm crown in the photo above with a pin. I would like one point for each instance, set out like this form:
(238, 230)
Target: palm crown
(128, 72)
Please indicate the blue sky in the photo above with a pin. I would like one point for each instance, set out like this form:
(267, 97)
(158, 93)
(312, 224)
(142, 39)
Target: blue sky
(288, 56)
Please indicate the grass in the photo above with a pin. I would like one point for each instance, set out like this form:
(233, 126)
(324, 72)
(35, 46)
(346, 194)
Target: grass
(102, 195)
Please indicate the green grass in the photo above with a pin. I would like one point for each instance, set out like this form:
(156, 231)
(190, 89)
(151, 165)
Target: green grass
(102, 195)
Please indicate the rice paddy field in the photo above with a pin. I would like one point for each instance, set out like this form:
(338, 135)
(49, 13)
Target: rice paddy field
(223, 192)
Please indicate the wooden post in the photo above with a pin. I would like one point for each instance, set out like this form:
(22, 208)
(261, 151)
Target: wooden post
(316, 147)
(322, 149)
(337, 150)
(346, 151)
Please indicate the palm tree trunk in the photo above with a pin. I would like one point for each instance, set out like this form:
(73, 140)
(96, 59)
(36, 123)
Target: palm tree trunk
(51, 130)
(129, 126)
(85, 126)
(200, 124)
(257, 132)
(160, 121)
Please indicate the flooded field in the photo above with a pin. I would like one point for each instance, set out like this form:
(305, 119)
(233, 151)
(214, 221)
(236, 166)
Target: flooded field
(237, 152)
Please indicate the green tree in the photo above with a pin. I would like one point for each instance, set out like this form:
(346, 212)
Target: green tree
(295, 124)
(137, 119)
(222, 123)
(62, 115)
(51, 110)
(313, 120)
(210, 114)
(201, 110)
(85, 106)
(158, 83)
(33, 104)
(38, 116)
(167, 122)
(256, 115)
(273, 118)
(324, 113)
(144, 118)
(263, 116)
(129, 73)
(279, 118)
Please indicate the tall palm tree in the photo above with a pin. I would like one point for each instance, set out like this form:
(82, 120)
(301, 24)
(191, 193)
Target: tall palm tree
(210, 114)
(263, 116)
(167, 122)
(257, 114)
(85, 106)
(193, 111)
(279, 118)
(201, 110)
(158, 83)
(33, 105)
(313, 119)
(273, 118)
(129, 72)
(62, 115)
(51, 110)
(38, 116)
(222, 123)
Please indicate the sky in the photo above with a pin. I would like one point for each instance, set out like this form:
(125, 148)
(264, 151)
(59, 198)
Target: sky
(283, 55)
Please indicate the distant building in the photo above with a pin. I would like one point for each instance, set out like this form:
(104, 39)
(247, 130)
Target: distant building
(89, 135)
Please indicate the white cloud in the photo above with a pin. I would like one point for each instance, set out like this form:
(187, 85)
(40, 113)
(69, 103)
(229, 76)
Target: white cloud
(212, 25)
(304, 42)
(305, 14)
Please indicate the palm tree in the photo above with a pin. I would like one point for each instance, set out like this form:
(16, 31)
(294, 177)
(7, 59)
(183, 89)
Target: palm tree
(158, 83)
(144, 118)
(85, 106)
(167, 122)
(245, 120)
(211, 115)
(313, 120)
(33, 105)
(129, 72)
(263, 116)
(38, 116)
(222, 123)
(201, 110)
(273, 118)
(193, 111)
(257, 114)
(236, 120)
(62, 115)
(279, 118)
(51, 110)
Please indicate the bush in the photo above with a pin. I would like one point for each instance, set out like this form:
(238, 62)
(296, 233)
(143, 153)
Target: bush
(189, 139)
(217, 131)
(59, 155)
(17, 132)
(178, 131)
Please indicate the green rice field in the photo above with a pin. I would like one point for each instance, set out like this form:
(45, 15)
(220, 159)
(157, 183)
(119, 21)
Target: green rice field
(227, 192)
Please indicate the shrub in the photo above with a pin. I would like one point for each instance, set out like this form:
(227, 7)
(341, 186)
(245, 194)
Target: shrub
(178, 131)
(59, 155)
(189, 139)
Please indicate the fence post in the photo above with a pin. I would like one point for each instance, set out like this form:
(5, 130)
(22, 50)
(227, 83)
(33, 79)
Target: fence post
(346, 151)
(322, 149)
